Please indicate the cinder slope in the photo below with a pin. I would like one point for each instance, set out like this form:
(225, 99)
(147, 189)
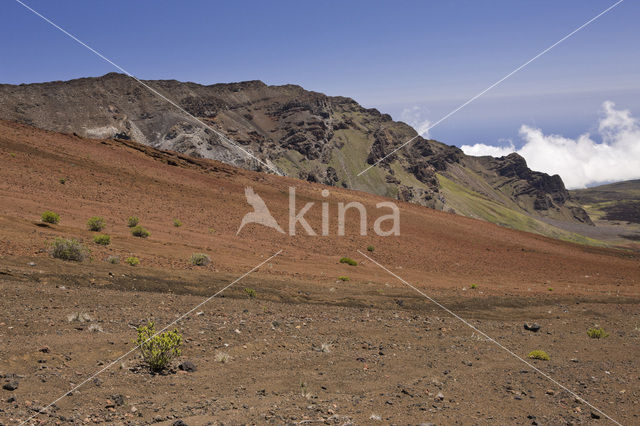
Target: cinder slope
(117, 179)
(307, 135)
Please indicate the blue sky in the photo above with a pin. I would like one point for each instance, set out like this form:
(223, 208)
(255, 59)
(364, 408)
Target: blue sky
(424, 57)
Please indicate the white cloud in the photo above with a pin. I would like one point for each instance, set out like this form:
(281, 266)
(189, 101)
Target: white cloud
(582, 161)
(413, 117)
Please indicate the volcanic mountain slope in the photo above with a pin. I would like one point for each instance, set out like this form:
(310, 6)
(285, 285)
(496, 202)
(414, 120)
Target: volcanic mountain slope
(79, 178)
(615, 206)
(340, 341)
(304, 134)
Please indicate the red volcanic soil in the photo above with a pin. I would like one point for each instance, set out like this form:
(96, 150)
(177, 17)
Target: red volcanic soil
(389, 351)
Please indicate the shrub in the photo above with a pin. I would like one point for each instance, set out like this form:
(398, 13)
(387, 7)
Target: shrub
(96, 223)
(133, 221)
(62, 180)
(537, 354)
(343, 278)
(250, 292)
(473, 286)
(370, 248)
(348, 261)
(50, 217)
(177, 223)
(550, 289)
(102, 239)
(158, 349)
(222, 357)
(68, 250)
(132, 260)
(597, 333)
(139, 231)
(200, 259)
(114, 260)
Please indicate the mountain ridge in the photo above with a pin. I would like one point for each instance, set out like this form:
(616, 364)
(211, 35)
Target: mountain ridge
(306, 134)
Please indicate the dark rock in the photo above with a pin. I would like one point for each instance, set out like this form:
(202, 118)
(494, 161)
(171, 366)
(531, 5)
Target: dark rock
(532, 327)
(179, 423)
(10, 386)
(595, 415)
(187, 366)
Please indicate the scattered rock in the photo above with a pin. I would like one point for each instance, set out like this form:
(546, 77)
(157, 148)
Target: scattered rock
(118, 399)
(532, 327)
(179, 423)
(31, 263)
(45, 349)
(595, 415)
(187, 366)
(439, 396)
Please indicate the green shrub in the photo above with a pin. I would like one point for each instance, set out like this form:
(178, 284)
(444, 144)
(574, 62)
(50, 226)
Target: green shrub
(348, 261)
(597, 333)
(250, 292)
(550, 289)
(133, 221)
(537, 354)
(132, 260)
(343, 278)
(139, 231)
(68, 250)
(158, 349)
(177, 223)
(102, 239)
(474, 286)
(50, 217)
(200, 259)
(96, 223)
(370, 248)
(114, 260)
(62, 180)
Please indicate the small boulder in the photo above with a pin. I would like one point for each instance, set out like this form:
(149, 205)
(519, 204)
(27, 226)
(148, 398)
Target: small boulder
(10, 386)
(532, 327)
(187, 366)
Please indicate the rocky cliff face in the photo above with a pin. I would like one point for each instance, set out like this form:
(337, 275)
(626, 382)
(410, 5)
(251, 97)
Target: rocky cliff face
(304, 134)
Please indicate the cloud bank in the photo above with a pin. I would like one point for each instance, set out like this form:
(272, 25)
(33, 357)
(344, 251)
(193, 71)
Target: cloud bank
(583, 161)
(412, 116)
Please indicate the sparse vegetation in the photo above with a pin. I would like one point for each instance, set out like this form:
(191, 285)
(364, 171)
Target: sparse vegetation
(550, 289)
(222, 357)
(96, 223)
(50, 217)
(133, 221)
(65, 249)
(114, 260)
(200, 259)
(348, 261)
(343, 278)
(79, 317)
(370, 248)
(538, 354)
(132, 261)
(102, 239)
(250, 292)
(597, 333)
(473, 286)
(62, 180)
(177, 223)
(139, 231)
(158, 349)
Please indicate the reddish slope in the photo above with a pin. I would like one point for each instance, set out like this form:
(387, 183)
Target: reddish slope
(117, 179)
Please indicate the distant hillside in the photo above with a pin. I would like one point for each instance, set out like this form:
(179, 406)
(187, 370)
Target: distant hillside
(305, 134)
